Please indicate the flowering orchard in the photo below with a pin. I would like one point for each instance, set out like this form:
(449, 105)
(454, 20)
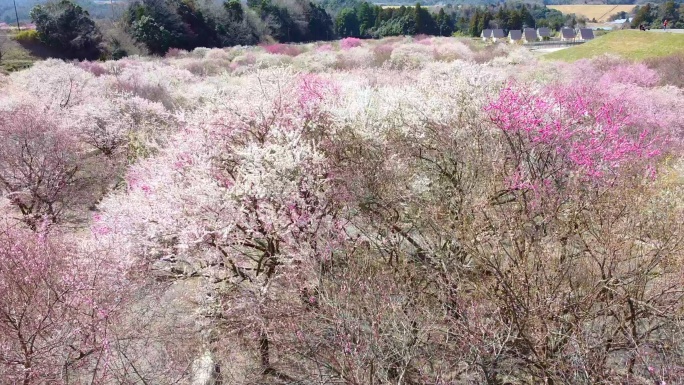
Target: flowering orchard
(386, 212)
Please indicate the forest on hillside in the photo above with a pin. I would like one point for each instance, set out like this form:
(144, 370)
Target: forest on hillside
(68, 31)
(107, 9)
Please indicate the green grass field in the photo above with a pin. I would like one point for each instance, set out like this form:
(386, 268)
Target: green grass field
(631, 44)
(14, 56)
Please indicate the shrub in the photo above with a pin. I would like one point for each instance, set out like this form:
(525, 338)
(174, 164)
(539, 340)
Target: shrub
(450, 50)
(324, 48)
(200, 52)
(669, 68)
(27, 37)
(94, 68)
(282, 49)
(175, 52)
(383, 53)
(350, 42)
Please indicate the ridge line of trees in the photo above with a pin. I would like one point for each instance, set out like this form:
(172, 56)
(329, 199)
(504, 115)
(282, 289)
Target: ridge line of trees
(159, 25)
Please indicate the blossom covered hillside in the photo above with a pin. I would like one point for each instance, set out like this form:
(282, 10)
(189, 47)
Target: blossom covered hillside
(402, 211)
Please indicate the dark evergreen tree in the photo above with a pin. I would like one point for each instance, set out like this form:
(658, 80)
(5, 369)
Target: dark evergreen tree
(347, 24)
(157, 25)
(475, 23)
(445, 23)
(320, 24)
(526, 18)
(502, 18)
(484, 21)
(668, 11)
(234, 11)
(68, 28)
(366, 16)
(516, 19)
(644, 15)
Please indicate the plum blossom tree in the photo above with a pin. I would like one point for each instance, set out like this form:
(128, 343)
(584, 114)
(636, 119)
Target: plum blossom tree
(242, 202)
(48, 172)
(566, 133)
(40, 165)
(54, 313)
(531, 233)
(385, 214)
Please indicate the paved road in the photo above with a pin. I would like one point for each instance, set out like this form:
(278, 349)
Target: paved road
(667, 30)
(549, 50)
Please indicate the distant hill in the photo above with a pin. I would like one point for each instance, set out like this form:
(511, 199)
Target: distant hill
(631, 44)
(98, 9)
(105, 9)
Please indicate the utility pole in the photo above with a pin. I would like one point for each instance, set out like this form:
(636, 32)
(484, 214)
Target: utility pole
(17, 15)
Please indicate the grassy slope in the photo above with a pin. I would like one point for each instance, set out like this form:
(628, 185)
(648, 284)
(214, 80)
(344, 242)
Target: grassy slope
(632, 44)
(14, 55)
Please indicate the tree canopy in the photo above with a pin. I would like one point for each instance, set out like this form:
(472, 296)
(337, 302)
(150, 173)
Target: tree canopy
(69, 29)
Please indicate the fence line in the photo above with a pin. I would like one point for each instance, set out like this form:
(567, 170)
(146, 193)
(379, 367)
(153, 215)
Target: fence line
(552, 43)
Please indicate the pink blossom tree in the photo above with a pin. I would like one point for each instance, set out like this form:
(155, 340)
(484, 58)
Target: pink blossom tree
(47, 172)
(424, 222)
(243, 202)
(54, 311)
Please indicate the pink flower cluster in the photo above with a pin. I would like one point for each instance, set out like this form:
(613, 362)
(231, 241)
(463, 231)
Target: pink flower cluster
(282, 49)
(312, 90)
(569, 130)
(324, 48)
(350, 42)
(94, 68)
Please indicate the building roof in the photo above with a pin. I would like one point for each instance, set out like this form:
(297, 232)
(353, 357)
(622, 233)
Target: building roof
(621, 21)
(514, 34)
(486, 33)
(530, 35)
(568, 33)
(498, 33)
(586, 33)
(544, 32)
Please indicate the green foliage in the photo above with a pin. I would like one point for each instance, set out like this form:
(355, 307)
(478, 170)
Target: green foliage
(547, 17)
(516, 17)
(474, 26)
(347, 24)
(526, 18)
(117, 51)
(333, 7)
(27, 36)
(234, 11)
(156, 37)
(368, 20)
(164, 24)
(653, 15)
(444, 23)
(644, 15)
(320, 26)
(278, 20)
(366, 15)
(157, 25)
(617, 16)
(301, 21)
(669, 11)
(68, 28)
